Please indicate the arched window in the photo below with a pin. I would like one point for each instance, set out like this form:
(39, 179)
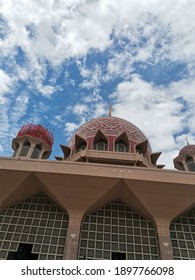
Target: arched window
(101, 146)
(25, 149)
(80, 144)
(116, 231)
(121, 143)
(120, 147)
(100, 141)
(141, 148)
(190, 163)
(36, 151)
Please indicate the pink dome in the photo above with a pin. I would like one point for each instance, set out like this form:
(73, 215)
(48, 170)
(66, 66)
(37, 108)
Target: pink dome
(111, 127)
(187, 148)
(37, 131)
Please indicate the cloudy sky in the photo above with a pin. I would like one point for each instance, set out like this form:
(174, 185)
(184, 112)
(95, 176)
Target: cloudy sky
(63, 62)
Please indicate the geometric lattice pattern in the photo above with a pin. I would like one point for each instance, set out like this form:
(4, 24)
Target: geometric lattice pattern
(111, 126)
(116, 228)
(38, 221)
(182, 231)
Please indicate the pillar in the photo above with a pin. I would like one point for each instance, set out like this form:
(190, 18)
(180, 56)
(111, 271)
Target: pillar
(165, 245)
(72, 237)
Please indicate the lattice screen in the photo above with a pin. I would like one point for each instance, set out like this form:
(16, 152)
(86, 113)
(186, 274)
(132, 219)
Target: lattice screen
(38, 221)
(182, 231)
(117, 228)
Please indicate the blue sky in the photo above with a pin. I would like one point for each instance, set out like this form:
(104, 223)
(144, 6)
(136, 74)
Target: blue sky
(63, 62)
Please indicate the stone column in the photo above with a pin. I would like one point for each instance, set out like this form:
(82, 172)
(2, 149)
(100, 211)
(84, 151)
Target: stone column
(165, 245)
(30, 150)
(19, 149)
(72, 238)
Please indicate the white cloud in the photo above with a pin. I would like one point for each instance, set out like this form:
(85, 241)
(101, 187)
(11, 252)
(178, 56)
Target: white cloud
(83, 113)
(46, 34)
(5, 86)
(92, 77)
(46, 90)
(100, 109)
(70, 127)
(155, 110)
(5, 82)
(1, 148)
(19, 108)
(10, 114)
(58, 30)
(79, 109)
(4, 127)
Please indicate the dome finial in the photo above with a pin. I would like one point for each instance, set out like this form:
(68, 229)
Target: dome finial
(187, 141)
(110, 111)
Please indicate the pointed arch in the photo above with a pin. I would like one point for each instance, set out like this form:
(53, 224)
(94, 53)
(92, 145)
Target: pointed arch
(66, 151)
(121, 143)
(141, 148)
(154, 157)
(46, 154)
(25, 148)
(117, 231)
(100, 141)
(80, 143)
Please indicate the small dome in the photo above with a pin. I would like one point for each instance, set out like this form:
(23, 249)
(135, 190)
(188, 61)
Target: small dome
(37, 131)
(186, 149)
(112, 127)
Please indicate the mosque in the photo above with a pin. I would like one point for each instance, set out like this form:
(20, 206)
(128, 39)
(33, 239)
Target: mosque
(105, 198)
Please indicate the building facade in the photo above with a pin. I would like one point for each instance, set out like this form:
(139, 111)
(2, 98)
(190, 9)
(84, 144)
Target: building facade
(105, 198)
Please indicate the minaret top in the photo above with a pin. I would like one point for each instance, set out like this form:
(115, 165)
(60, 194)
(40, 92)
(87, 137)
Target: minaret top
(38, 132)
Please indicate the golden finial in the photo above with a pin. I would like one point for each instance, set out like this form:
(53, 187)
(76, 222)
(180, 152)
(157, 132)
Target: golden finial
(187, 141)
(110, 111)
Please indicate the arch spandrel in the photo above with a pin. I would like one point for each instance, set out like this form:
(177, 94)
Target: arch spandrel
(121, 191)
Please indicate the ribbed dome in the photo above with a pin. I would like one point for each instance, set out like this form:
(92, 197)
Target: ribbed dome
(112, 127)
(187, 148)
(37, 131)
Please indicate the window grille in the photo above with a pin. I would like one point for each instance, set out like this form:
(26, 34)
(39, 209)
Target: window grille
(116, 230)
(190, 163)
(37, 221)
(120, 147)
(102, 146)
(36, 152)
(25, 149)
(182, 231)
